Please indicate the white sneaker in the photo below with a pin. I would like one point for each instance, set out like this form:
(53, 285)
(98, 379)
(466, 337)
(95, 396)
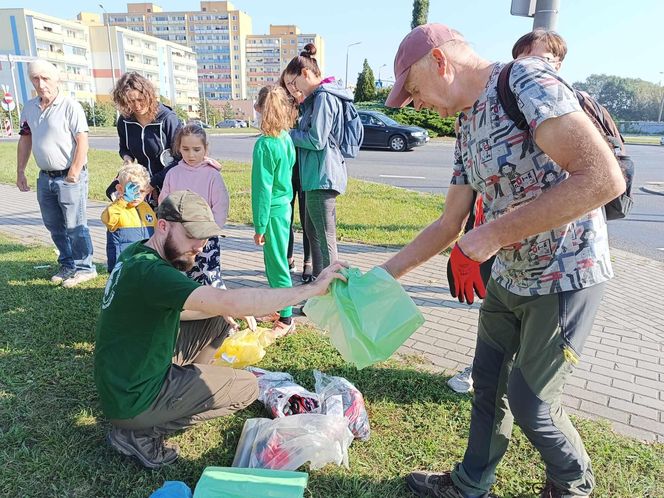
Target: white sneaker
(62, 275)
(78, 278)
(463, 381)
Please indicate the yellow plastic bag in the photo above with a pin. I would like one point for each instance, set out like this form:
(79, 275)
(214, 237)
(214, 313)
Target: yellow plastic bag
(244, 348)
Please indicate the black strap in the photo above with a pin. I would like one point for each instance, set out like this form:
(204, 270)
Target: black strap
(507, 98)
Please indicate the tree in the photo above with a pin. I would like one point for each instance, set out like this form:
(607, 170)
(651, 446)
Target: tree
(627, 99)
(365, 89)
(181, 113)
(420, 13)
(228, 112)
(382, 93)
(101, 114)
(213, 115)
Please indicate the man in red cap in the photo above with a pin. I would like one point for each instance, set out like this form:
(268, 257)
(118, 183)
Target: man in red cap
(550, 242)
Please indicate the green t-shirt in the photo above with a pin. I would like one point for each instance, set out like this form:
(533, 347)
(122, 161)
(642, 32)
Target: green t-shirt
(137, 330)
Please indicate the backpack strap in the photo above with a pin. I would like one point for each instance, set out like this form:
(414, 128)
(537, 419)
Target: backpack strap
(507, 98)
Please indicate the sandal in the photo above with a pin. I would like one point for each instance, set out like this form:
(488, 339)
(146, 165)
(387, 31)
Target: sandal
(291, 266)
(307, 271)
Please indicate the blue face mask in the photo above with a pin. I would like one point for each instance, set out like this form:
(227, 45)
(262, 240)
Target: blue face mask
(132, 191)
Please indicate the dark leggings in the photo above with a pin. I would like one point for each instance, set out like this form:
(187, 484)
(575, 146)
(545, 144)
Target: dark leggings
(300, 196)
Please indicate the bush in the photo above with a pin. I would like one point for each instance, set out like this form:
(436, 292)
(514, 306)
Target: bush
(427, 119)
(104, 114)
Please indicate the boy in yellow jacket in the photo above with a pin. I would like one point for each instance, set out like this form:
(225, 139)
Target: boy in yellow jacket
(129, 218)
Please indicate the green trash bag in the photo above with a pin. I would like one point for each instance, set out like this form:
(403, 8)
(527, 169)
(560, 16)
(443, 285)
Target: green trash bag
(230, 482)
(368, 318)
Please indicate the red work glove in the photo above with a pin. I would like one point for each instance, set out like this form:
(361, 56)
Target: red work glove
(467, 277)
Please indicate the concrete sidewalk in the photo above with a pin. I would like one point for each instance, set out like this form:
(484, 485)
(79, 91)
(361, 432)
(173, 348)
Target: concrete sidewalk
(620, 378)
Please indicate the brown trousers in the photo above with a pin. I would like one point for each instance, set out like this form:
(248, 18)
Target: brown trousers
(193, 390)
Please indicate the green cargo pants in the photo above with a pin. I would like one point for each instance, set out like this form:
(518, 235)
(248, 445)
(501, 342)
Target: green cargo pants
(526, 348)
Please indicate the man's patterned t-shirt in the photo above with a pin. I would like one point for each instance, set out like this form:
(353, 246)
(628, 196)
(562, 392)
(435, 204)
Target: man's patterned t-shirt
(507, 167)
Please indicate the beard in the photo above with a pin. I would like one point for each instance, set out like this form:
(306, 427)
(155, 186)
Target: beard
(183, 261)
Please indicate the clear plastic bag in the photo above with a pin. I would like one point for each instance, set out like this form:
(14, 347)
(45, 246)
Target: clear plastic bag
(331, 389)
(245, 347)
(287, 443)
(282, 396)
(368, 317)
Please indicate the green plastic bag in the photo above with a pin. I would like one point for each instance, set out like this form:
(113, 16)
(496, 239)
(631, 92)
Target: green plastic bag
(368, 318)
(230, 482)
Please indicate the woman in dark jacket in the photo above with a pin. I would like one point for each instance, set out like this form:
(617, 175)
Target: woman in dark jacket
(146, 128)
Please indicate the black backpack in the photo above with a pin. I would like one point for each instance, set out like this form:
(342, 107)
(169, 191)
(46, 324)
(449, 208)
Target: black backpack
(620, 206)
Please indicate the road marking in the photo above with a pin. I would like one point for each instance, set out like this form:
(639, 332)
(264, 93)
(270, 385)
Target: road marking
(405, 177)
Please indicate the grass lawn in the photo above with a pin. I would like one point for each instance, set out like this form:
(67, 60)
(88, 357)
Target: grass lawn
(369, 212)
(52, 431)
(642, 139)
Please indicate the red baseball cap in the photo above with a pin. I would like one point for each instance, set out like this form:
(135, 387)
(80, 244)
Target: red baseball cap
(418, 43)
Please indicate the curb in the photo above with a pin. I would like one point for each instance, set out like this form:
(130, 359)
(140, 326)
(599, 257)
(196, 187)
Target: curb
(654, 188)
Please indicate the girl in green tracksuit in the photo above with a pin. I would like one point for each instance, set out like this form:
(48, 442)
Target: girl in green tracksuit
(272, 191)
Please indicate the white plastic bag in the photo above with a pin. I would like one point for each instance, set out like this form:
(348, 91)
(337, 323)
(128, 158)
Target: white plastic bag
(330, 389)
(282, 396)
(287, 443)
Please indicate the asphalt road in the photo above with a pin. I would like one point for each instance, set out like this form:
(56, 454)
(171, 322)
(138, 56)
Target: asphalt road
(429, 168)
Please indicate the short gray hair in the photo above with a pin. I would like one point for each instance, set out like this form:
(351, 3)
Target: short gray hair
(41, 66)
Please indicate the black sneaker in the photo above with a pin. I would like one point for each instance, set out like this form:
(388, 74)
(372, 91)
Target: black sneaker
(152, 453)
(551, 491)
(435, 485)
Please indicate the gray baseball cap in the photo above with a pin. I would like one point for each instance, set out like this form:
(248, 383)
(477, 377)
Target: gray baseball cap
(190, 209)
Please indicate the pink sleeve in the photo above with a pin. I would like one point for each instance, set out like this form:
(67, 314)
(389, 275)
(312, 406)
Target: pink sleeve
(219, 199)
(166, 187)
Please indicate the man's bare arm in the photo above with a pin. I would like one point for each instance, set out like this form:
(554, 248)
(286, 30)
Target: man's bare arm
(257, 302)
(437, 236)
(22, 156)
(80, 154)
(573, 142)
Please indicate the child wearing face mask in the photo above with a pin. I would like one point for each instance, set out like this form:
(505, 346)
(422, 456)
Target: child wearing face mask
(129, 218)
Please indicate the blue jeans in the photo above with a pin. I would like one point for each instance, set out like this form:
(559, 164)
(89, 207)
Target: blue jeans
(63, 208)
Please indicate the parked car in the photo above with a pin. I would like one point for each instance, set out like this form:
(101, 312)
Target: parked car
(199, 123)
(382, 131)
(230, 123)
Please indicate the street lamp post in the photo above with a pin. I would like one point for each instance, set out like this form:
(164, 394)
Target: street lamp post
(110, 48)
(347, 49)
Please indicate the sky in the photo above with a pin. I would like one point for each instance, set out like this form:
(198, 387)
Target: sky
(603, 37)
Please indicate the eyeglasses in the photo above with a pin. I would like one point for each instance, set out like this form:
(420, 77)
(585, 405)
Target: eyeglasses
(292, 82)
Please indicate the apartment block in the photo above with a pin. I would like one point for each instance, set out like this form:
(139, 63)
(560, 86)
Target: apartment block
(268, 55)
(65, 44)
(171, 67)
(216, 33)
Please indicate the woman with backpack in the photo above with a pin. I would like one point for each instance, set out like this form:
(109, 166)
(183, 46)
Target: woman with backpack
(317, 139)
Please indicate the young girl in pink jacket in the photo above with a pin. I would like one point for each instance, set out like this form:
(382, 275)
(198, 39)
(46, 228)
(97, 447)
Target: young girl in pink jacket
(201, 174)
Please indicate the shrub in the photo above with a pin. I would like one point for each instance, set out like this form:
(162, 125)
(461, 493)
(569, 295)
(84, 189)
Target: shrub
(428, 119)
